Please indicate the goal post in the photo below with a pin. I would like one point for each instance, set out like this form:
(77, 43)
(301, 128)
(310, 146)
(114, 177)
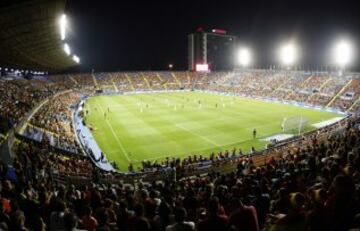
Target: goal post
(294, 124)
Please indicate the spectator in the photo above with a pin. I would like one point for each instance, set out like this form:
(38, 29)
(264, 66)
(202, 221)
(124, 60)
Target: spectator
(214, 220)
(244, 217)
(88, 221)
(180, 223)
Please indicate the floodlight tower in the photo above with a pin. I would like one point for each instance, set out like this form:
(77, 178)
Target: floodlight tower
(244, 57)
(342, 54)
(288, 54)
(67, 49)
(63, 25)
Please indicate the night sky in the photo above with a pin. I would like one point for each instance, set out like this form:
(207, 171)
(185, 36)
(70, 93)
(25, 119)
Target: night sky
(148, 35)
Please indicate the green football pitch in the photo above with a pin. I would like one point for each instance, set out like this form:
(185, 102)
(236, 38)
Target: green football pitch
(153, 126)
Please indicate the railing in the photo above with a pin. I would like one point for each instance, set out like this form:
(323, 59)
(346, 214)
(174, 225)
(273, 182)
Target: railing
(225, 165)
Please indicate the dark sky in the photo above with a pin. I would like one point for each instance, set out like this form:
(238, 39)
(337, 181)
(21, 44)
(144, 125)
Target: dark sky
(144, 35)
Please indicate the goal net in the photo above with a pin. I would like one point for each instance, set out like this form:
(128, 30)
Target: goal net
(294, 125)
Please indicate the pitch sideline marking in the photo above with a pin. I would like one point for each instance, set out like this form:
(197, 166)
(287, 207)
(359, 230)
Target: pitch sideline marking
(114, 134)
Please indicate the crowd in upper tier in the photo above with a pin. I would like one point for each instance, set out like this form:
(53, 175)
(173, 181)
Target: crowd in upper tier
(53, 120)
(324, 89)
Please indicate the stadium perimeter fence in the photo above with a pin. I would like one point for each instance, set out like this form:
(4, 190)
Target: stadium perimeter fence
(225, 165)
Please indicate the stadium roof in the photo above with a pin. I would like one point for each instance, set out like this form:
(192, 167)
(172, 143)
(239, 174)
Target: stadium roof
(30, 35)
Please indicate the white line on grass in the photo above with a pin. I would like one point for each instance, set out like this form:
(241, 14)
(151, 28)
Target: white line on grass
(115, 135)
(202, 137)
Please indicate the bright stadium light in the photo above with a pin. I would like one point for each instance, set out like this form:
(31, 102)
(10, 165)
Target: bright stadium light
(343, 53)
(76, 59)
(288, 54)
(67, 49)
(63, 24)
(244, 57)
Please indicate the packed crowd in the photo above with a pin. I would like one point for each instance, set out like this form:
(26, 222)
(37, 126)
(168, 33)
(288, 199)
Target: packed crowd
(19, 96)
(311, 184)
(31, 155)
(55, 118)
(348, 97)
(193, 162)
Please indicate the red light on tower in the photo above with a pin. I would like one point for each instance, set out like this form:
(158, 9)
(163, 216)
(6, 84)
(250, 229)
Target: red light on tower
(219, 31)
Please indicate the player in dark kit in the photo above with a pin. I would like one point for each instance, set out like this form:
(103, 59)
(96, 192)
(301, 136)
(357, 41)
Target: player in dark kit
(254, 133)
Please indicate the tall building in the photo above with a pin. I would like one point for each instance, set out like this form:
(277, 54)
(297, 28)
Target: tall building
(214, 50)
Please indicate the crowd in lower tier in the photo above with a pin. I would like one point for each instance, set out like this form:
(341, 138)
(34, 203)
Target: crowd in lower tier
(309, 187)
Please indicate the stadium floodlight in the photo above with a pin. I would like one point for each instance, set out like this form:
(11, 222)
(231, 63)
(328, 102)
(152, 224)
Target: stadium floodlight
(288, 54)
(342, 53)
(63, 24)
(76, 59)
(244, 57)
(67, 49)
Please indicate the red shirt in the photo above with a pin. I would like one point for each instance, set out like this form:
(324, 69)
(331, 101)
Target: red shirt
(89, 223)
(245, 219)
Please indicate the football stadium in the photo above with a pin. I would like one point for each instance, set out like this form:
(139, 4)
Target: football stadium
(179, 124)
(225, 139)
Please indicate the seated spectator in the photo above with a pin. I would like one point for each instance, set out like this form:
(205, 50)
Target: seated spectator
(296, 218)
(180, 223)
(214, 221)
(244, 217)
(139, 221)
(88, 221)
(70, 222)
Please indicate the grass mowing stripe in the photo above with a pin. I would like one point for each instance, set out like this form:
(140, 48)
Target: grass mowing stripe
(200, 136)
(150, 128)
(115, 135)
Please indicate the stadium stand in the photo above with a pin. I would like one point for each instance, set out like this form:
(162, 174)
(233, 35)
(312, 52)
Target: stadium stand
(308, 182)
(53, 181)
(348, 96)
